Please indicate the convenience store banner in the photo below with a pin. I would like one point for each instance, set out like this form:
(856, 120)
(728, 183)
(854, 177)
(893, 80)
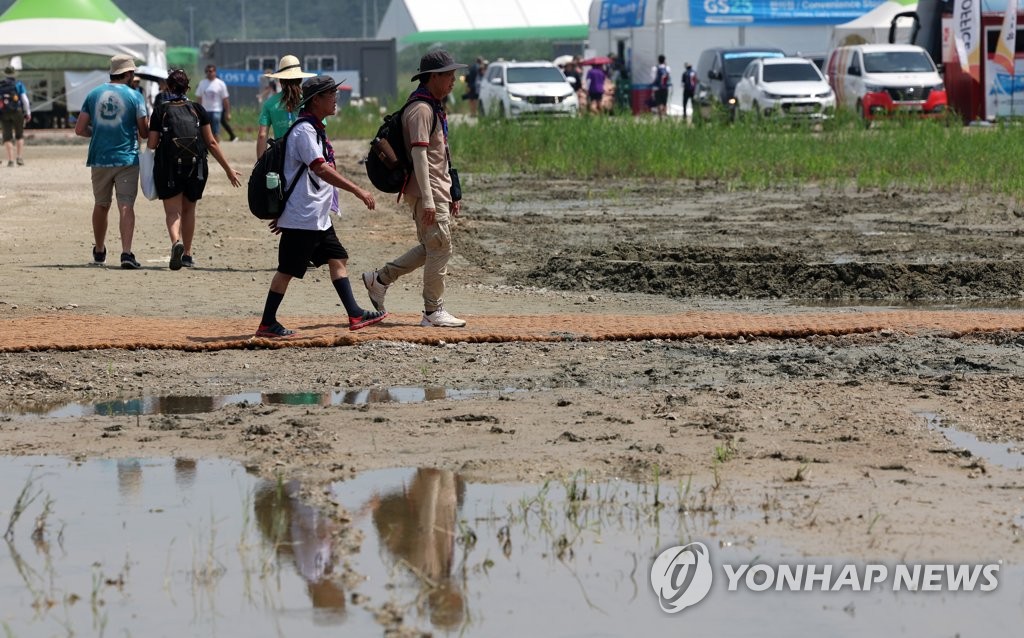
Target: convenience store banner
(734, 13)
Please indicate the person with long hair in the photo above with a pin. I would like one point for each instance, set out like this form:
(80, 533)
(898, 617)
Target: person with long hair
(181, 134)
(281, 109)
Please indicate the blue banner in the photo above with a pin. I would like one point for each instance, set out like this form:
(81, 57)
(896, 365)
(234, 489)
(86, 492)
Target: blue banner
(737, 13)
(622, 14)
(240, 77)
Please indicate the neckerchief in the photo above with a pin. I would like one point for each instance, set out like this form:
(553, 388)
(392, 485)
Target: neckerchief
(174, 97)
(321, 132)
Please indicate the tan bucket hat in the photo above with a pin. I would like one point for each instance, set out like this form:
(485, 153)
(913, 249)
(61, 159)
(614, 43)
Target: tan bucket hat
(289, 69)
(121, 64)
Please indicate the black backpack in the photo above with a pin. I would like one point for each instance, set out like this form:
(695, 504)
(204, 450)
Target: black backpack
(268, 203)
(181, 153)
(9, 98)
(388, 165)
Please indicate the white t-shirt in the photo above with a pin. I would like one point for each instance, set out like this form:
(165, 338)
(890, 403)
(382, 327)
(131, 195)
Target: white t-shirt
(308, 207)
(211, 94)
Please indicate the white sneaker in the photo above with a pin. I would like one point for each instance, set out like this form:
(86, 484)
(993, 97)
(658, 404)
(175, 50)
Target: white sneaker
(441, 318)
(375, 290)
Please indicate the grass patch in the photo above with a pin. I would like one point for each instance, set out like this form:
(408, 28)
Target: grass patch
(912, 154)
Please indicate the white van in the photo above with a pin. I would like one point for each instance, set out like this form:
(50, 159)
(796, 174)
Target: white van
(881, 79)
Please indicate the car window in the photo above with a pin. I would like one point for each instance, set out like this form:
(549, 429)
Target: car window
(493, 72)
(795, 72)
(751, 71)
(736, 63)
(898, 62)
(522, 74)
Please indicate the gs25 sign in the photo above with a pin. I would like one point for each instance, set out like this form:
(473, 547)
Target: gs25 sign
(711, 13)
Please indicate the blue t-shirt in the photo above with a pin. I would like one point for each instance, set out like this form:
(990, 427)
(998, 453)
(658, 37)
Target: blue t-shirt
(114, 111)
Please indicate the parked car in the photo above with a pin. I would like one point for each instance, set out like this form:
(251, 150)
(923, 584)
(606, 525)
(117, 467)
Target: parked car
(719, 69)
(511, 89)
(790, 87)
(881, 79)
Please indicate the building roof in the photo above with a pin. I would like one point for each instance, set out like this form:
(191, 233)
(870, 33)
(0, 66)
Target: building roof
(417, 21)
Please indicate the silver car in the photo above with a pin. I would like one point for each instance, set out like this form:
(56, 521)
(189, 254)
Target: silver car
(791, 87)
(512, 89)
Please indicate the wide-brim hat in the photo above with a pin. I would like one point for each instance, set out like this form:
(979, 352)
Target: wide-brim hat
(317, 85)
(121, 63)
(436, 62)
(10, 71)
(289, 69)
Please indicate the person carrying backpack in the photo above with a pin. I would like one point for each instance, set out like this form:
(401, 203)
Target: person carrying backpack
(432, 192)
(307, 234)
(689, 87)
(661, 80)
(180, 133)
(15, 112)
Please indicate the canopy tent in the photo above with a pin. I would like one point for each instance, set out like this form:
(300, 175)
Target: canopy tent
(418, 21)
(873, 26)
(96, 27)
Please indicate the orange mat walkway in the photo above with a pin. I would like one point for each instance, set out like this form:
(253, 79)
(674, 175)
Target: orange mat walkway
(80, 332)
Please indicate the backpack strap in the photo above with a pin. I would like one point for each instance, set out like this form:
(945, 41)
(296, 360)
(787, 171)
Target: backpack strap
(302, 167)
(433, 127)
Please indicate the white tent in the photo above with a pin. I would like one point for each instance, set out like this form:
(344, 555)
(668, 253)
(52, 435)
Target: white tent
(76, 26)
(873, 26)
(418, 21)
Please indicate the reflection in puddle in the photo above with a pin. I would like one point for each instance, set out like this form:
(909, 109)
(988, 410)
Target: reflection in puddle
(302, 534)
(1009, 455)
(203, 548)
(204, 404)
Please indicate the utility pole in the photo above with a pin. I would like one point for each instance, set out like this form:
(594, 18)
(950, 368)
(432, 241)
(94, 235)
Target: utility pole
(243, 20)
(287, 20)
(191, 26)
(364, 19)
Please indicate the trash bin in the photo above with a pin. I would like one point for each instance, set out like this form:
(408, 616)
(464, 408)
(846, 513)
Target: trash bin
(640, 98)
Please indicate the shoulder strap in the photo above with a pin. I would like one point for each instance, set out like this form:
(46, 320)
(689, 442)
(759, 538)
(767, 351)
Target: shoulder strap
(419, 98)
(302, 165)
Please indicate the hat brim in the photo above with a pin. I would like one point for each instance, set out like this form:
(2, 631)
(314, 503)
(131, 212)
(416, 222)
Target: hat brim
(290, 74)
(326, 89)
(444, 69)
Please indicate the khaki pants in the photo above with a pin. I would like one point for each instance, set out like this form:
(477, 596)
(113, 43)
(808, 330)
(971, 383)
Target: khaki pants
(432, 253)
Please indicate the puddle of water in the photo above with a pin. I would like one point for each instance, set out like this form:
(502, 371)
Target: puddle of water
(203, 548)
(203, 404)
(1009, 455)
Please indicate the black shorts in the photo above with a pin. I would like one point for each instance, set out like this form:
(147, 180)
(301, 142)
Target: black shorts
(660, 97)
(168, 185)
(299, 248)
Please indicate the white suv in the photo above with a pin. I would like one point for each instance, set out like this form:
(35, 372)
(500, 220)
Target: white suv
(511, 89)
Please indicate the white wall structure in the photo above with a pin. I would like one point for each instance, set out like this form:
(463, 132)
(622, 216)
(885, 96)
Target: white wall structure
(428, 21)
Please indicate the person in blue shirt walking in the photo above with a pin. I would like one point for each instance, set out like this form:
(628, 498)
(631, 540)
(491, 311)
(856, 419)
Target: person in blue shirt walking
(114, 118)
(15, 113)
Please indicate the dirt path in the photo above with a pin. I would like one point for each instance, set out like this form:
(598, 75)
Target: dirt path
(820, 438)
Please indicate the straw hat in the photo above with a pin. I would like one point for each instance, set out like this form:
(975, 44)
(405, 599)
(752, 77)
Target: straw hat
(289, 69)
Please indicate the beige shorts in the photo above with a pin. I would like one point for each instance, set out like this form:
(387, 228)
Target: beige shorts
(123, 180)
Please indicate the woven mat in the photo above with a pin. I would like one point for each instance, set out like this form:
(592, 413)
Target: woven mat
(80, 332)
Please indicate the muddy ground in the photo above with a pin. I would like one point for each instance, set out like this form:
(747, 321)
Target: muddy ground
(827, 437)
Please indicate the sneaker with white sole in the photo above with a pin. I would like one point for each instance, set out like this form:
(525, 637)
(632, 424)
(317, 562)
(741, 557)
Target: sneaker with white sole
(129, 262)
(441, 318)
(375, 290)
